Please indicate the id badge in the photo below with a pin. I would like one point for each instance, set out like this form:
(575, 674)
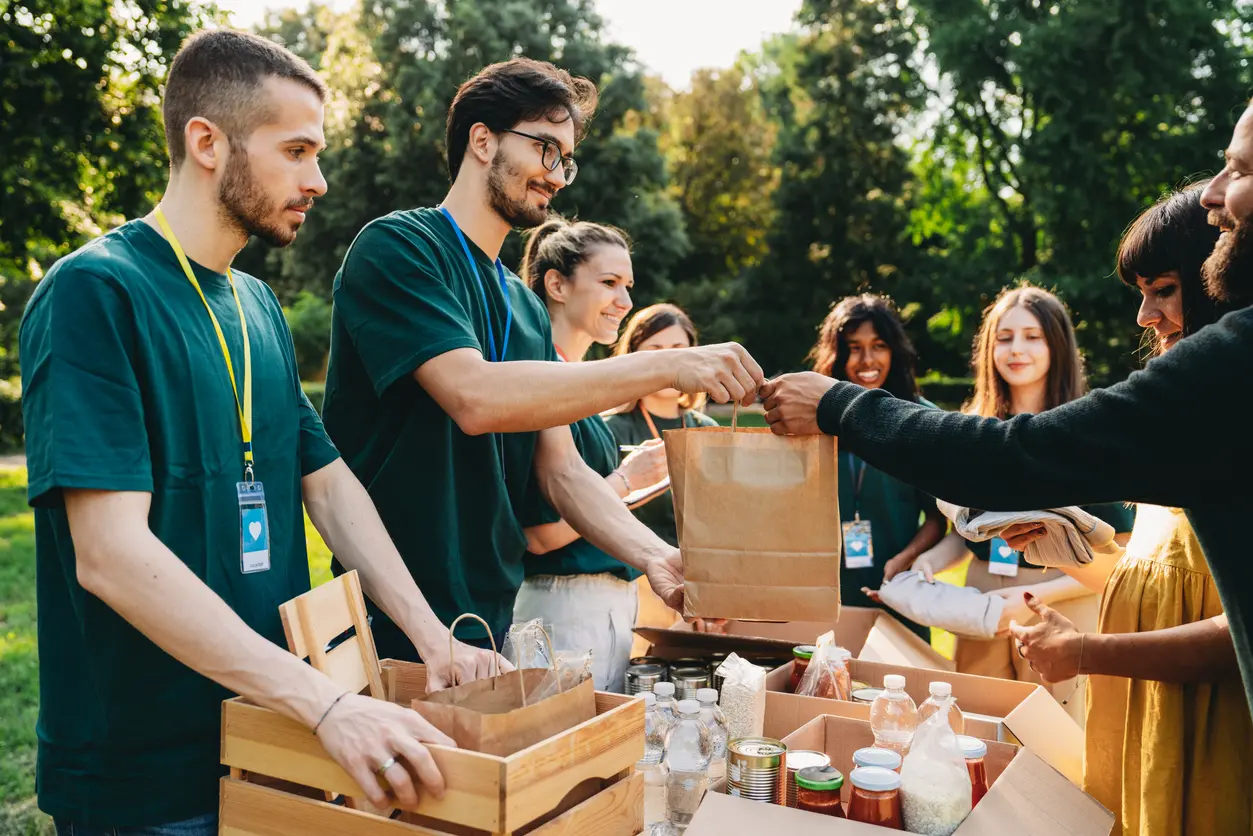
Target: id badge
(858, 545)
(254, 528)
(1002, 560)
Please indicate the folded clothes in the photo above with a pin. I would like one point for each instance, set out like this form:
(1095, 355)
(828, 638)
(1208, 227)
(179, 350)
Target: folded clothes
(1071, 535)
(962, 610)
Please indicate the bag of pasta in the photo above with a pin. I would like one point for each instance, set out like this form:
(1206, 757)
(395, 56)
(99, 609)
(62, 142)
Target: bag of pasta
(827, 675)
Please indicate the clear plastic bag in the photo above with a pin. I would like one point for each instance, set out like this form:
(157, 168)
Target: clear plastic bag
(827, 675)
(935, 782)
(527, 646)
(743, 697)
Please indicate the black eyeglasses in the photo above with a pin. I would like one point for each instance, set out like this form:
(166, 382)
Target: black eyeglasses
(550, 156)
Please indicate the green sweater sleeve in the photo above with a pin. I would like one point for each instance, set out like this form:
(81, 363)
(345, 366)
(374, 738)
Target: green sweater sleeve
(1173, 434)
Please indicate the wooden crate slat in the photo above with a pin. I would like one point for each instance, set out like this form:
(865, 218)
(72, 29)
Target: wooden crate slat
(539, 777)
(259, 740)
(343, 664)
(250, 810)
(404, 681)
(616, 811)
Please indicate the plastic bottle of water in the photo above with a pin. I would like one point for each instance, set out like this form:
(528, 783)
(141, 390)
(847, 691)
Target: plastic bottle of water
(689, 748)
(666, 705)
(893, 716)
(942, 693)
(711, 716)
(650, 766)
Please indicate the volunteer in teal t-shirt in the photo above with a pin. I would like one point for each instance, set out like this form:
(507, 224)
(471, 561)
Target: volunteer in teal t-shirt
(160, 571)
(441, 390)
(887, 523)
(656, 328)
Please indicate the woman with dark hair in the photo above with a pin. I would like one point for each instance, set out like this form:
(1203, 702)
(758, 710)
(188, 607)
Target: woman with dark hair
(582, 272)
(1026, 360)
(1169, 742)
(887, 523)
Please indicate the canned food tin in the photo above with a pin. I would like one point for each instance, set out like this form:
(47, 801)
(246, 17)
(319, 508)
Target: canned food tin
(688, 680)
(756, 769)
(642, 678)
(713, 660)
(866, 695)
(649, 660)
(799, 759)
(857, 685)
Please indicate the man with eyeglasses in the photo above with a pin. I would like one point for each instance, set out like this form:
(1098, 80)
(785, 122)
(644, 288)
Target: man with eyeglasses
(444, 392)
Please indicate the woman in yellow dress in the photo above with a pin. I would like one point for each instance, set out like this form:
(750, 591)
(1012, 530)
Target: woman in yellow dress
(1169, 742)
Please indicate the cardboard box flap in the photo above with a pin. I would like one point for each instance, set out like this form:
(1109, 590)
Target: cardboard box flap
(691, 640)
(720, 815)
(1042, 725)
(1039, 800)
(893, 643)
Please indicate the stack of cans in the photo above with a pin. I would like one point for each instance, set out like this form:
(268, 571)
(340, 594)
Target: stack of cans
(687, 681)
(756, 768)
(799, 759)
(640, 679)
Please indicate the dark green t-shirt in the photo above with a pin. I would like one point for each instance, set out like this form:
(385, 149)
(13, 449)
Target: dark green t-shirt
(125, 389)
(404, 295)
(600, 451)
(630, 428)
(1117, 514)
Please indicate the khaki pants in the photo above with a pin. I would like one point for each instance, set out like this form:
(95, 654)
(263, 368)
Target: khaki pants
(999, 658)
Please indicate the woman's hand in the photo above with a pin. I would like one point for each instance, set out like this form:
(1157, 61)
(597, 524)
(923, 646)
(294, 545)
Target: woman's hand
(1020, 535)
(1053, 647)
(902, 562)
(1016, 609)
(646, 466)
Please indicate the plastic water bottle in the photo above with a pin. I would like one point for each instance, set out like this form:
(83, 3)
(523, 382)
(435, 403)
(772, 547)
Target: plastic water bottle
(666, 705)
(893, 716)
(711, 716)
(650, 766)
(689, 748)
(941, 694)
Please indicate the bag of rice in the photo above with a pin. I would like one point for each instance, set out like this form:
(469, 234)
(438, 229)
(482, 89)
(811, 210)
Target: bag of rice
(935, 782)
(743, 698)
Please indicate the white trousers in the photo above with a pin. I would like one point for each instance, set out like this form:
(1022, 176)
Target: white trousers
(585, 612)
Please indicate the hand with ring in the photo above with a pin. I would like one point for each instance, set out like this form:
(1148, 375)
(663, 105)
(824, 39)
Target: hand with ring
(1052, 646)
(379, 744)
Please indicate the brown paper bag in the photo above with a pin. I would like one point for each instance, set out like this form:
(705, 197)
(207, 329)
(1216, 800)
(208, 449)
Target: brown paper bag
(758, 522)
(507, 713)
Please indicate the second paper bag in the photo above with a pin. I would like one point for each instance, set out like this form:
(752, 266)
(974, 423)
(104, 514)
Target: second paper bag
(758, 523)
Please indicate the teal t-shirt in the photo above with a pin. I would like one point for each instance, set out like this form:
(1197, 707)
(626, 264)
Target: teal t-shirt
(404, 295)
(630, 428)
(125, 389)
(600, 451)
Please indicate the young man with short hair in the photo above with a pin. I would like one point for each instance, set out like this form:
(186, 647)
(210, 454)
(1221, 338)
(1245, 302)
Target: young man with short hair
(444, 391)
(169, 449)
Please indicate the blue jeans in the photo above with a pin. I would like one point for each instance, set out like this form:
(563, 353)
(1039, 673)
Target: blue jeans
(206, 825)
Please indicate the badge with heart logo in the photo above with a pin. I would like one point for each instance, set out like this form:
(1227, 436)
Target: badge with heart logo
(254, 528)
(1002, 560)
(858, 545)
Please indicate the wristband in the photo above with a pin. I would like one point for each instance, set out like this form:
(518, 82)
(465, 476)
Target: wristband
(328, 711)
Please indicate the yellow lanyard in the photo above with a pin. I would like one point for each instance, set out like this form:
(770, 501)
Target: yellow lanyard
(245, 408)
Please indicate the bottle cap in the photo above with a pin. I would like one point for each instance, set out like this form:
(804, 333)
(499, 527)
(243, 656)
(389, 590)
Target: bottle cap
(689, 707)
(707, 695)
(893, 682)
(650, 699)
(941, 689)
(664, 689)
(819, 778)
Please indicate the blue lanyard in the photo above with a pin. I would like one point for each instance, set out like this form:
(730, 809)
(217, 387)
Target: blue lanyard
(487, 311)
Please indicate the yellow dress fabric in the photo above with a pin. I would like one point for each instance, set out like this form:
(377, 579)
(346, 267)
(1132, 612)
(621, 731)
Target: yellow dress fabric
(1167, 758)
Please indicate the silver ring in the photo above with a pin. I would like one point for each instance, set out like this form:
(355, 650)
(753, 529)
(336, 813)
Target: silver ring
(387, 764)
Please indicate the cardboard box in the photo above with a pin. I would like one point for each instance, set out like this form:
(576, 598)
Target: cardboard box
(1026, 796)
(996, 710)
(871, 634)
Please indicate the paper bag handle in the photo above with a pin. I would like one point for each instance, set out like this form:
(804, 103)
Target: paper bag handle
(735, 417)
(495, 655)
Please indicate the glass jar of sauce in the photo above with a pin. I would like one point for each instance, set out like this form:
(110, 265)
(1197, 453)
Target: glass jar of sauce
(818, 790)
(975, 750)
(801, 655)
(876, 797)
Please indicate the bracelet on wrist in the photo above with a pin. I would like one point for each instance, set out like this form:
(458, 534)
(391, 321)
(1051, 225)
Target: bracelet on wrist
(626, 483)
(328, 711)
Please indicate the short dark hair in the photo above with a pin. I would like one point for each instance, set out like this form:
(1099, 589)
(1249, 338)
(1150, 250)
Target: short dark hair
(561, 245)
(504, 94)
(217, 74)
(830, 354)
(1174, 235)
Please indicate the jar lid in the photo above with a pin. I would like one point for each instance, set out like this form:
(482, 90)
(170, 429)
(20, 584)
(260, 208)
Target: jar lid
(664, 689)
(894, 682)
(875, 756)
(972, 747)
(798, 759)
(865, 694)
(819, 778)
(875, 779)
(804, 651)
(941, 689)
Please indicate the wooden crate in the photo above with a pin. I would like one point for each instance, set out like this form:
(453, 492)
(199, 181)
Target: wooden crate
(579, 781)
